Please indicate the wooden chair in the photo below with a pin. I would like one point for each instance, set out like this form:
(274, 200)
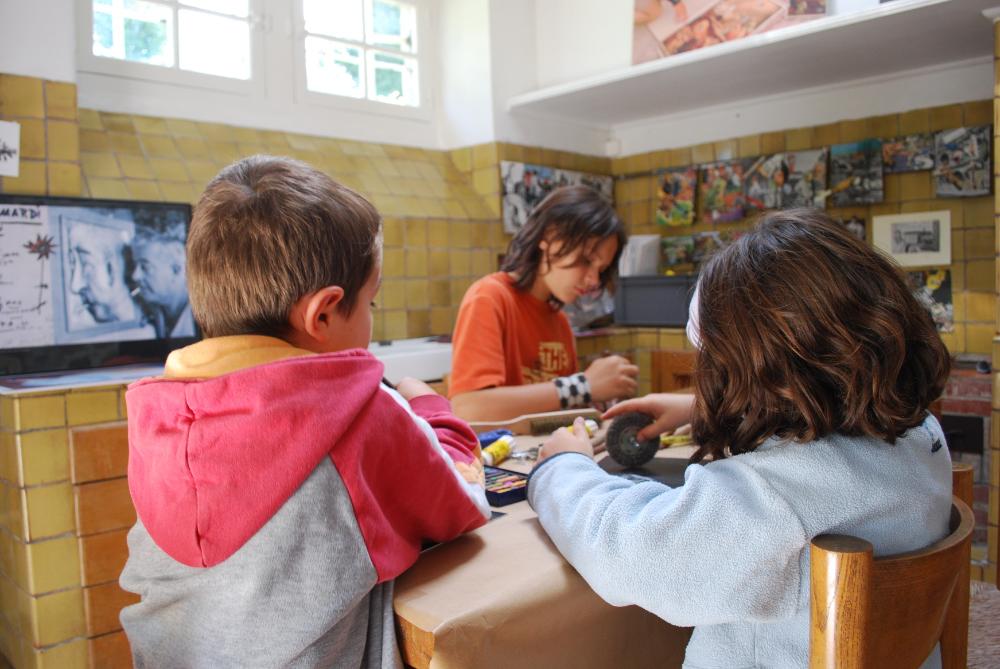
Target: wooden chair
(672, 371)
(891, 611)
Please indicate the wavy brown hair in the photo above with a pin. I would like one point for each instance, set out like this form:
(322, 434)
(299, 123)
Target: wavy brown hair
(804, 331)
(573, 215)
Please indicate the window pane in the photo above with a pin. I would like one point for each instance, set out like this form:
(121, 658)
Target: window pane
(134, 30)
(103, 36)
(336, 18)
(214, 44)
(393, 79)
(335, 68)
(233, 7)
(392, 25)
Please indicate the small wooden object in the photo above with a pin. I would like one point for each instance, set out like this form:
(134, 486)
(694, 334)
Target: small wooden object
(537, 423)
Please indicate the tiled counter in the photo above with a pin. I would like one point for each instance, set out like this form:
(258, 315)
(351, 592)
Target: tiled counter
(64, 513)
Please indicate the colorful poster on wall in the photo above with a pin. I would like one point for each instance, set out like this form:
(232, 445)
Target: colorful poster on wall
(676, 193)
(911, 153)
(962, 162)
(525, 185)
(668, 27)
(678, 251)
(786, 180)
(856, 173)
(720, 190)
(932, 288)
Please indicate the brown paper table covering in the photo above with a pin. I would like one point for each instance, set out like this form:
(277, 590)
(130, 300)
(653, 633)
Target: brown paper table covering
(503, 596)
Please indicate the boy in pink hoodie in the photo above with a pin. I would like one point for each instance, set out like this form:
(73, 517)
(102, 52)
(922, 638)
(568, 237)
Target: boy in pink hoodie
(280, 486)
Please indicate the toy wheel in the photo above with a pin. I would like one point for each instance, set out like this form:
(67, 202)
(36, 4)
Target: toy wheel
(622, 445)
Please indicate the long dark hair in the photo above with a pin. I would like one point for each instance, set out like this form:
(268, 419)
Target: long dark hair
(805, 330)
(573, 216)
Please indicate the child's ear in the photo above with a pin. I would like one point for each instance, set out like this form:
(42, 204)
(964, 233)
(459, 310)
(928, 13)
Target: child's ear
(314, 315)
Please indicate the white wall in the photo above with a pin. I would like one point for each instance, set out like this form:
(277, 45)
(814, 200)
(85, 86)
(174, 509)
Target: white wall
(39, 38)
(465, 93)
(514, 52)
(579, 38)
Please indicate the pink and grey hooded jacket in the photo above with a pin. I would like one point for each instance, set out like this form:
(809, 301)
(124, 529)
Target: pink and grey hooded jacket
(278, 495)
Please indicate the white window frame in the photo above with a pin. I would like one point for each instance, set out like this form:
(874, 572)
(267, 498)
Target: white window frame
(366, 105)
(88, 62)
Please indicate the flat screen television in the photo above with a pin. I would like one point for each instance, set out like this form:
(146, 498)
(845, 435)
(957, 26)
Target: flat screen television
(91, 283)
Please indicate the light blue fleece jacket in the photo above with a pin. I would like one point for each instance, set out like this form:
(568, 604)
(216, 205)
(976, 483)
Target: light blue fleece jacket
(728, 552)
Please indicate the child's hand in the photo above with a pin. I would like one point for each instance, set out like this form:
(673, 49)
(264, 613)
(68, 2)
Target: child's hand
(563, 441)
(669, 411)
(611, 377)
(410, 388)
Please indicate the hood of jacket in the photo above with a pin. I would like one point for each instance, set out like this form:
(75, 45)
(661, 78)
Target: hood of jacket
(230, 432)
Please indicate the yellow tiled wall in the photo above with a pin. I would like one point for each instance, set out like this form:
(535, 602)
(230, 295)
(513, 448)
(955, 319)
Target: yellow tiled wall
(973, 233)
(64, 510)
(50, 147)
(441, 208)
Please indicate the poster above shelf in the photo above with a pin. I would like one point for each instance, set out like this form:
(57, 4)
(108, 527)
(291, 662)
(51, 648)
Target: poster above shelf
(898, 36)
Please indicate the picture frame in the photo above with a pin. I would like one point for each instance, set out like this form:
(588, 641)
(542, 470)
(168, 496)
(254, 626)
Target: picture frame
(918, 239)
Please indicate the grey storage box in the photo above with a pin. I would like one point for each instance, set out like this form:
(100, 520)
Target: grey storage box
(653, 300)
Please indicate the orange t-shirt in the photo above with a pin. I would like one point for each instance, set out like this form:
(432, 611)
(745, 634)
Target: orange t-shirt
(506, 337)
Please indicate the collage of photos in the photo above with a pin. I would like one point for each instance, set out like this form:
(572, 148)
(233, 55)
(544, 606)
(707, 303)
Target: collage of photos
(524, 186)
(785, 180)
(912, 153)
(856, 173)
(668, 27)
(932, 288)
(844, 175)
(721, 190)
(676, 194)
(962, 162)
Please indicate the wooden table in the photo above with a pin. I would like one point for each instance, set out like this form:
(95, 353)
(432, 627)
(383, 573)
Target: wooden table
(503, 596)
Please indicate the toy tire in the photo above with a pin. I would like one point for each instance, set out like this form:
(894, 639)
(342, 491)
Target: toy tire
(621, 442)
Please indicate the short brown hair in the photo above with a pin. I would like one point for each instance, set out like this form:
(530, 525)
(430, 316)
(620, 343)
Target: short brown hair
(268, 230)
(804, 331)
(573, 215)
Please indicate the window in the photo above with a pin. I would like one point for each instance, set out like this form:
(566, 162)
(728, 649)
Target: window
(203, 36)
(362, 49)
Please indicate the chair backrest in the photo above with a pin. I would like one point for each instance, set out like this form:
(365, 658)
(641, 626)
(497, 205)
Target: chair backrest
(891, 611)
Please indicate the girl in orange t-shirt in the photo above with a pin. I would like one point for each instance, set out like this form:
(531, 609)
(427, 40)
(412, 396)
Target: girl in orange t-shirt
(513, 350)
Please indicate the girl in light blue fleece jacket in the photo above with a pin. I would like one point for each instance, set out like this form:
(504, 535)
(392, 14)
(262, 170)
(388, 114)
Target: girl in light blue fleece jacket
(815, 371)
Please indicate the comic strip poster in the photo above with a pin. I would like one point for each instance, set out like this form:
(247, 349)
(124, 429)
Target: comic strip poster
(720, 190)
(676, 194)
(962, 162)
(932, 288)
(856, 173)
(668, 27)
(786, 180)
(525, 185)
(678, 251)
(911, 153)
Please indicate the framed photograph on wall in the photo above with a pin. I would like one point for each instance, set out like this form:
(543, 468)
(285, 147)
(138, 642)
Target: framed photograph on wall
(915, 240)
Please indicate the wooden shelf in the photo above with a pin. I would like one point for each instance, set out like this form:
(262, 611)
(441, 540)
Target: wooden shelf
(893, 37)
